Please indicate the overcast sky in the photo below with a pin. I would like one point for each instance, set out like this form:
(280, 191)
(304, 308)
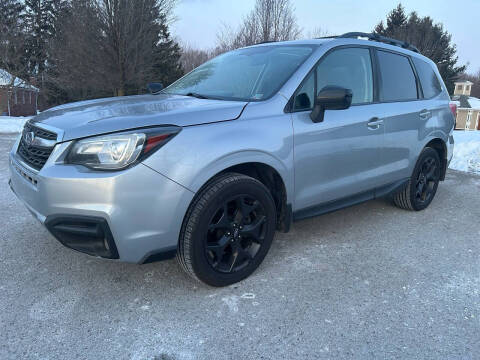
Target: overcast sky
(198, 21)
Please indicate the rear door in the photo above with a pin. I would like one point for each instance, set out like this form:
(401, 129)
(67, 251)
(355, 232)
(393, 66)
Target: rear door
(340, 156)
(407, 117)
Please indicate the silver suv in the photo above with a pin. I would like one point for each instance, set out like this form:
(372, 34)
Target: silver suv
(210, 167)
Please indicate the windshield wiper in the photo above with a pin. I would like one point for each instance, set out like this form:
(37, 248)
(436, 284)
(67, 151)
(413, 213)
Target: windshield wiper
(198, 96)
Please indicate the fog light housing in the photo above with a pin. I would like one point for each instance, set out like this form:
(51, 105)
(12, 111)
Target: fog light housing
(89, 235)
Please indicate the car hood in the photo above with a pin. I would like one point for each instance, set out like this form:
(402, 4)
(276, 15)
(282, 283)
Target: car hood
(94, 117)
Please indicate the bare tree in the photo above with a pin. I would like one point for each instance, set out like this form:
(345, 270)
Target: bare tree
(315, 33)
(192, 58)
(270, 20)
(114, 47)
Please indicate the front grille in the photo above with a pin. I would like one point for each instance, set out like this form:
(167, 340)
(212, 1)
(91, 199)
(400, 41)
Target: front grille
(41, 133)
(33, 155)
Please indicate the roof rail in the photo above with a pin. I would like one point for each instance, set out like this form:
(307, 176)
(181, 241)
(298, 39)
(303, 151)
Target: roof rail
(375, 37)
(265, 42)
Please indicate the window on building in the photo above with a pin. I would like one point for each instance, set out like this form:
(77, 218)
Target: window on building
(398, 82)
(459, 87)
(467, 88)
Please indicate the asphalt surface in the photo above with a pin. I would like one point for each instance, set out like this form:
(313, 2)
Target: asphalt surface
(368, 282)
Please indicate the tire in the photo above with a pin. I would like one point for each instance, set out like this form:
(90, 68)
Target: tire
(228, 230)
(423, 184)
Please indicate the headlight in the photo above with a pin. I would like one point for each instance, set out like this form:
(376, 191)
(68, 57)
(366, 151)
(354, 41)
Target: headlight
(120, 150)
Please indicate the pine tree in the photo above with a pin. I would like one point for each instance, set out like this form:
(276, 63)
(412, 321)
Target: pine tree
(39, 24)
(397, 19)
(10, 13)
(166, 67)
(12, 41)
(430, 38)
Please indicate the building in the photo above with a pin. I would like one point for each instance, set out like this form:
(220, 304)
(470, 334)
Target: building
(468, 107)
(17, 97)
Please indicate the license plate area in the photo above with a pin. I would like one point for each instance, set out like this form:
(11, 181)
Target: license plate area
(27, 175)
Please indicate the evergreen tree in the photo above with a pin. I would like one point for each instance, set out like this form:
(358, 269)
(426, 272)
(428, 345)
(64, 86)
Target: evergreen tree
(166, 67)
(12, 40)
(430, 38)
(10, 13)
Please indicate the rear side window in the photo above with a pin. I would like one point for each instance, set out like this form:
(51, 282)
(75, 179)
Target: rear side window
(398, 81)
(430, 84)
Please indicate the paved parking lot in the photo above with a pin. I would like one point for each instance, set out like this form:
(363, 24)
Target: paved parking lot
(371, 281)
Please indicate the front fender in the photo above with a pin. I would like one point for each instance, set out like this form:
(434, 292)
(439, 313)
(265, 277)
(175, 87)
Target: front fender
(199, 153)
(237, 158)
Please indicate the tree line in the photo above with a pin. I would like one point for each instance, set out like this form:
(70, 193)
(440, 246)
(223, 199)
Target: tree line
(83, 49)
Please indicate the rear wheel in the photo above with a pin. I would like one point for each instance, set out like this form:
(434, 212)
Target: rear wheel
(423, 184)
(228, 230)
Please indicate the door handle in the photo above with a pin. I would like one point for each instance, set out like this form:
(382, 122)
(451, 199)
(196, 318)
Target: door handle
(425, 114)
(374, 123)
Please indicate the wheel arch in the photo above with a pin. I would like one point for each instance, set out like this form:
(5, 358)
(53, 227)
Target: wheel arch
(440, 147)
(269, 176)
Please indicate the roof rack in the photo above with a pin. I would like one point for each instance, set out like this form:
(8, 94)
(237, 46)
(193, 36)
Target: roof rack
(375, 37)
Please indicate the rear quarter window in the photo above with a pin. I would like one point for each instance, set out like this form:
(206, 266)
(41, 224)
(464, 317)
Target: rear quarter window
(428, 79)
(398, 82)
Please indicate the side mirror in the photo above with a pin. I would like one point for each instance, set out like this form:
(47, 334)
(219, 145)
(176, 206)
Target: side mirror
(155, 87)
(330, 98)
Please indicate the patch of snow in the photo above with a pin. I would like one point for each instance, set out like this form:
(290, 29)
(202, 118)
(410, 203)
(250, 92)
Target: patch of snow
(474, 102)
(12, 125)
(7, 79)
(466, 152)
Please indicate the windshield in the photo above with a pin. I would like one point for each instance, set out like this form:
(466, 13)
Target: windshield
(248, 74)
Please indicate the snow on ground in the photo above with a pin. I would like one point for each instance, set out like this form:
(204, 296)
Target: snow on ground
(12, 125)
(466, 152)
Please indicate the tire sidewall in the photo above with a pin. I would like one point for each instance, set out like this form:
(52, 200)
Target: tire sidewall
(427, 152)
(200, 264)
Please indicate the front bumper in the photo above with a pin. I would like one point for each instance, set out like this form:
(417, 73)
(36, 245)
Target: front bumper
(143, 209)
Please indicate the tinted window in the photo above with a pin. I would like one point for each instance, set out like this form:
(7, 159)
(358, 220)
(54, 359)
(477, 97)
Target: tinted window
(350, 68)
(398, 80)
(430, 84)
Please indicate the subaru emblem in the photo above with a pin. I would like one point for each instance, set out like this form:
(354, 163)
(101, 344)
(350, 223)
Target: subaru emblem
(29, 137)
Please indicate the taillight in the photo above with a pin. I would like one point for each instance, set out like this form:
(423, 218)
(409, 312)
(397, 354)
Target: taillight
(453, 109)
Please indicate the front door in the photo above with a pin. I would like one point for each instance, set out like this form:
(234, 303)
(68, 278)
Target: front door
(340, 156)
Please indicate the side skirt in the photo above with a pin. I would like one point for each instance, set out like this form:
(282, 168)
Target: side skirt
(349, 201)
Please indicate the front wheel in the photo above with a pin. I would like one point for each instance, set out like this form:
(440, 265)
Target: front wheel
(423, 184)
(228, 230)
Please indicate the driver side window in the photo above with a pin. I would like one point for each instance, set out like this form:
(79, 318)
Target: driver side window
(350, 68)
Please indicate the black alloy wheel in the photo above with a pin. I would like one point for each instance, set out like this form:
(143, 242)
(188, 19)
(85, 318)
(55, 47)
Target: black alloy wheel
(227, 230)
(235, 233)
(423, 184)
(427, 180)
